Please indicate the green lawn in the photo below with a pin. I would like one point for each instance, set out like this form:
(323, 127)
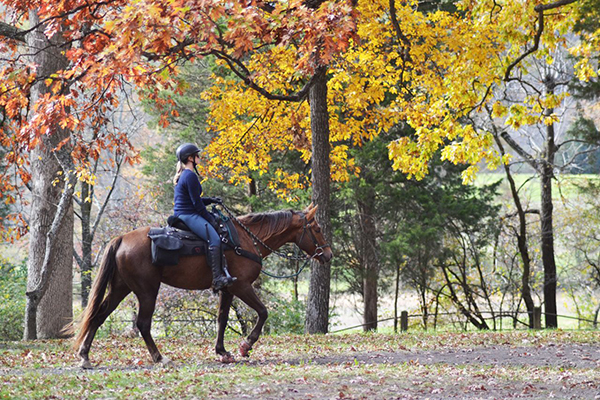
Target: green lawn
(564, 187)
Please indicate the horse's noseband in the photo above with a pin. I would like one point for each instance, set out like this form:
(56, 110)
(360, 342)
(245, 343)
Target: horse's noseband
(319, 249)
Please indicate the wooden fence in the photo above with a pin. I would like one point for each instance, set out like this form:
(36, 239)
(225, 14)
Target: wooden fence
(207, 326)
(403, 319)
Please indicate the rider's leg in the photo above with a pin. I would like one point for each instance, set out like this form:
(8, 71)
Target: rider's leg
(214, 258)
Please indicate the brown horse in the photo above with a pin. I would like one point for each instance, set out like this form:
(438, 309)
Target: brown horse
(126, 267)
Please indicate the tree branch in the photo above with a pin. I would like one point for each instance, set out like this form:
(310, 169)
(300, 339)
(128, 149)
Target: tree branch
(516, 147)
(106, 199)
(12, 32)
(540, 8)
(399, 33)
(242, 72)
(527, 211)
(77, 258)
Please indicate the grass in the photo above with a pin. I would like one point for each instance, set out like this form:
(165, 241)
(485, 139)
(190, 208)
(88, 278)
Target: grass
(564, 188)
(289, 366)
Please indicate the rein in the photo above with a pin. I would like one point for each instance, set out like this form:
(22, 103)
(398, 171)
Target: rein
(256, 240)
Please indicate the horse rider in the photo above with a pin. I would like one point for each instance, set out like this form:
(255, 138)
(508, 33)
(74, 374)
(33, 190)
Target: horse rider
(190, 207)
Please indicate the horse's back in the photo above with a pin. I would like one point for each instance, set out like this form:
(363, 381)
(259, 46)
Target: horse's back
(135, 260)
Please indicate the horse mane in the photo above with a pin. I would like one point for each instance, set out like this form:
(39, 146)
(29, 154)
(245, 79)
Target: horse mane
(268, 224)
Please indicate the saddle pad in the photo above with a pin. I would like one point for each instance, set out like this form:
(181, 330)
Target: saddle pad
(168, 244)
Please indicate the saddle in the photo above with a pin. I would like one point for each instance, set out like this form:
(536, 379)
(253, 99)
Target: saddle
(176, 240)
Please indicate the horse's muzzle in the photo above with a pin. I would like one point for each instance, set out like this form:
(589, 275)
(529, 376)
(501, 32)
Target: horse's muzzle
(326, 256)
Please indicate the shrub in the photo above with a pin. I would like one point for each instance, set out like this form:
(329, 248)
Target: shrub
(13, 283)
(285, 316)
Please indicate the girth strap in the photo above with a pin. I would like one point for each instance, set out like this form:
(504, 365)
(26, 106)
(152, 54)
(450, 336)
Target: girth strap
(245, 253)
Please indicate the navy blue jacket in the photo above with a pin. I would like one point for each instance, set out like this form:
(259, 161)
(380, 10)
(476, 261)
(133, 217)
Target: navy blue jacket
(188, 196)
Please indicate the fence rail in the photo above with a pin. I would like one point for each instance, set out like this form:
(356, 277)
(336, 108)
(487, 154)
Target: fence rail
(404, 318)
(174, 326)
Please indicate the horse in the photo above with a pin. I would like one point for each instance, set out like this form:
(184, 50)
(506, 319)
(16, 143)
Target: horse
(127, 267)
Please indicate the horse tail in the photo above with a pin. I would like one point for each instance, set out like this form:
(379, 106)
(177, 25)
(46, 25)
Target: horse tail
(108, 267)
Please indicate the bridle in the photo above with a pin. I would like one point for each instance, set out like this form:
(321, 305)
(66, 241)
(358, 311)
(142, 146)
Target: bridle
(306, 227)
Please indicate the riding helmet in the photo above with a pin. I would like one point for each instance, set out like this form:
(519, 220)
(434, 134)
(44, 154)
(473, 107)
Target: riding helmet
(186, 150)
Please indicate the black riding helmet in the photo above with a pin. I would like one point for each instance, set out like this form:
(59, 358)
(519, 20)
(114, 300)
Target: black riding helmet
(186, 150)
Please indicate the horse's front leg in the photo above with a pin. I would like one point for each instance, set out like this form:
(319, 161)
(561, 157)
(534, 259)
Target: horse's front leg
(224, 305)
(249, 296)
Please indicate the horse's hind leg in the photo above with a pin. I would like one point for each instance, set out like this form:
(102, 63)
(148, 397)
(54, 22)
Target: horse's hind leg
(147, 302)
(115, 295)
(224, 306)
(249, 296)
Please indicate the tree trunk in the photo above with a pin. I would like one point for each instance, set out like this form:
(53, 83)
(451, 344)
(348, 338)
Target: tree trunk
(86, 244)
(548, 246)
(547, 173)
(370, 257)
(49, 290)
(396, 292)
(521, 240)
(317, 313)
(88, 229)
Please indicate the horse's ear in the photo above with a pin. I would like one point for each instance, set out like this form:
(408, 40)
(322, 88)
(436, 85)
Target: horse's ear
(311, 210)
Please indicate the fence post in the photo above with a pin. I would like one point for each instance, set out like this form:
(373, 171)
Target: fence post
(404, 321)
(537, 317)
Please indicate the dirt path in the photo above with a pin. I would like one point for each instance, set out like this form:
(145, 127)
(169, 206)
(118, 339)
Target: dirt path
(565, 356)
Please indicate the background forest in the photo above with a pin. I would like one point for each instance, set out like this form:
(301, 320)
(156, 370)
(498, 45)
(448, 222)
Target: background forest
(451, 146)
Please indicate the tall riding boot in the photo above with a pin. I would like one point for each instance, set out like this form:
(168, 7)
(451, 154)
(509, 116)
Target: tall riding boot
(220, 280)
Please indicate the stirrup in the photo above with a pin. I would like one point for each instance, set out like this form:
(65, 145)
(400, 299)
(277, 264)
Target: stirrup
(223, 282)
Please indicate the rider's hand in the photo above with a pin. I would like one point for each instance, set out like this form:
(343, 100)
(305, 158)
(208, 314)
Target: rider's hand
(217, 200)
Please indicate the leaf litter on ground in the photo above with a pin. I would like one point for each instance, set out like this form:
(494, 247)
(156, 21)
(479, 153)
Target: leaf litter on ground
(534, 364)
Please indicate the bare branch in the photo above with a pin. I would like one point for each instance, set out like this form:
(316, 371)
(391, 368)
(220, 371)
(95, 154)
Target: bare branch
(527, 211)
(516, 147)
(106, 199)
(571, 162)
(77, 258)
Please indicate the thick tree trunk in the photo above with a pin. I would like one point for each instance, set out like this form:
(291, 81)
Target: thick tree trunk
(547, 173)
(49, 301)
(370, 257)
(317, 313)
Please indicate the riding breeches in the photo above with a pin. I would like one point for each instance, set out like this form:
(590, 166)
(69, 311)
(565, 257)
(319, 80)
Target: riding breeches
(202, 228)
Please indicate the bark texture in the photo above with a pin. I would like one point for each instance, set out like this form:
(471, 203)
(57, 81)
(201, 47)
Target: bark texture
(317, 313)
(50, 298)
(548, 259)
(86, 264)
(370, 261)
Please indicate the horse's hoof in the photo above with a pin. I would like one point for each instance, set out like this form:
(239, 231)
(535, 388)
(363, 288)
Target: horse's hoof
(86, 364)
(245, 348)
(227, 358)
